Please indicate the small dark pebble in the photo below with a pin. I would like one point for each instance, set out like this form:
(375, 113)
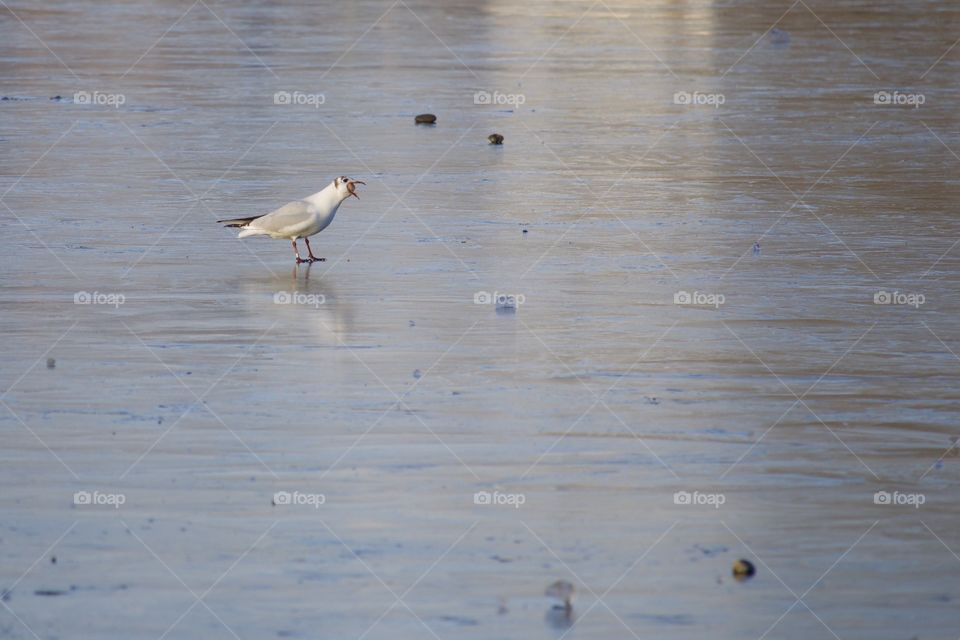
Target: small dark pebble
(49, 592)
(417, 373)
(56, 97)
(425, 118)
(743, 569)
(495, 138)
(53, 559)
(779, 36)
(51, 363)
(412, 323)
(5, 596)
(525, 231)
(461, 621)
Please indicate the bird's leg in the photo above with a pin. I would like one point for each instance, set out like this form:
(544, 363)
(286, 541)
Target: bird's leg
(297, 252)
(313, 258)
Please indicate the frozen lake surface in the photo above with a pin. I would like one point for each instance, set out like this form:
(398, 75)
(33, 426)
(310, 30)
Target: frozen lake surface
(648, 147)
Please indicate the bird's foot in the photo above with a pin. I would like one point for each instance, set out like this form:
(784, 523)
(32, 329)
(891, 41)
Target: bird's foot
(315, 259)
(303, 260)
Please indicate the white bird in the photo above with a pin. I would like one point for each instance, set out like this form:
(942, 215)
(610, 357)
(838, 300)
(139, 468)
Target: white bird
(300, 218)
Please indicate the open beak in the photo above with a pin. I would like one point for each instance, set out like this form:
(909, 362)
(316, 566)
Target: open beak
(351, 185)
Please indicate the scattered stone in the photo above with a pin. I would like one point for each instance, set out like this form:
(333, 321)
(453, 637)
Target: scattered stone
(525, 230)
(51, 363)
(56, 98)
(743, 569)
(53, 559)
(412, 323)
(506, 304)
(460, 621)
(779, 37)
(756, 248)
(495, 138)
(417, 374)
(425, 118)
(49, 592)
(563, 591)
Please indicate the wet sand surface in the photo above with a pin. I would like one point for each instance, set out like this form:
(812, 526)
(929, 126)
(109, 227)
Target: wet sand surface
(376, 381)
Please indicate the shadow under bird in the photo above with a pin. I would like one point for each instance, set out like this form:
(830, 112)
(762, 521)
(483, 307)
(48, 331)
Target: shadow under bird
(300, 218)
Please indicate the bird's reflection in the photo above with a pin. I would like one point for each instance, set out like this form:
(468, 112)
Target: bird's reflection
(301, 269)
(303, 299)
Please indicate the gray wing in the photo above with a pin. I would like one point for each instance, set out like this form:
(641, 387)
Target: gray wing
(290, 217)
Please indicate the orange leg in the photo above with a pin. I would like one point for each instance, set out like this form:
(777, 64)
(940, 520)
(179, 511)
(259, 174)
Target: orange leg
(313, 258)
(297, 252)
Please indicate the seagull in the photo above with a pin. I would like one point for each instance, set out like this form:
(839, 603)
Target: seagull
(300, 218)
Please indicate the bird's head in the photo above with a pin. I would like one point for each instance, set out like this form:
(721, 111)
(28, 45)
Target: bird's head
(346, 187)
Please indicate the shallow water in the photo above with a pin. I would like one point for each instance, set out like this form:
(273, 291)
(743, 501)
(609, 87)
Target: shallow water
(386, 389)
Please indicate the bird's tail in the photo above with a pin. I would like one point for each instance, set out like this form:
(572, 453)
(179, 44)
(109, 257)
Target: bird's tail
(238, 222)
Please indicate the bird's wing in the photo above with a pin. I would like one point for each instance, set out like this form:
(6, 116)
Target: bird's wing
(290, 216)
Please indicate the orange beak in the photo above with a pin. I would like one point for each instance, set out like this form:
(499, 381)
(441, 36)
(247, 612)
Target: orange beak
(351, 185)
